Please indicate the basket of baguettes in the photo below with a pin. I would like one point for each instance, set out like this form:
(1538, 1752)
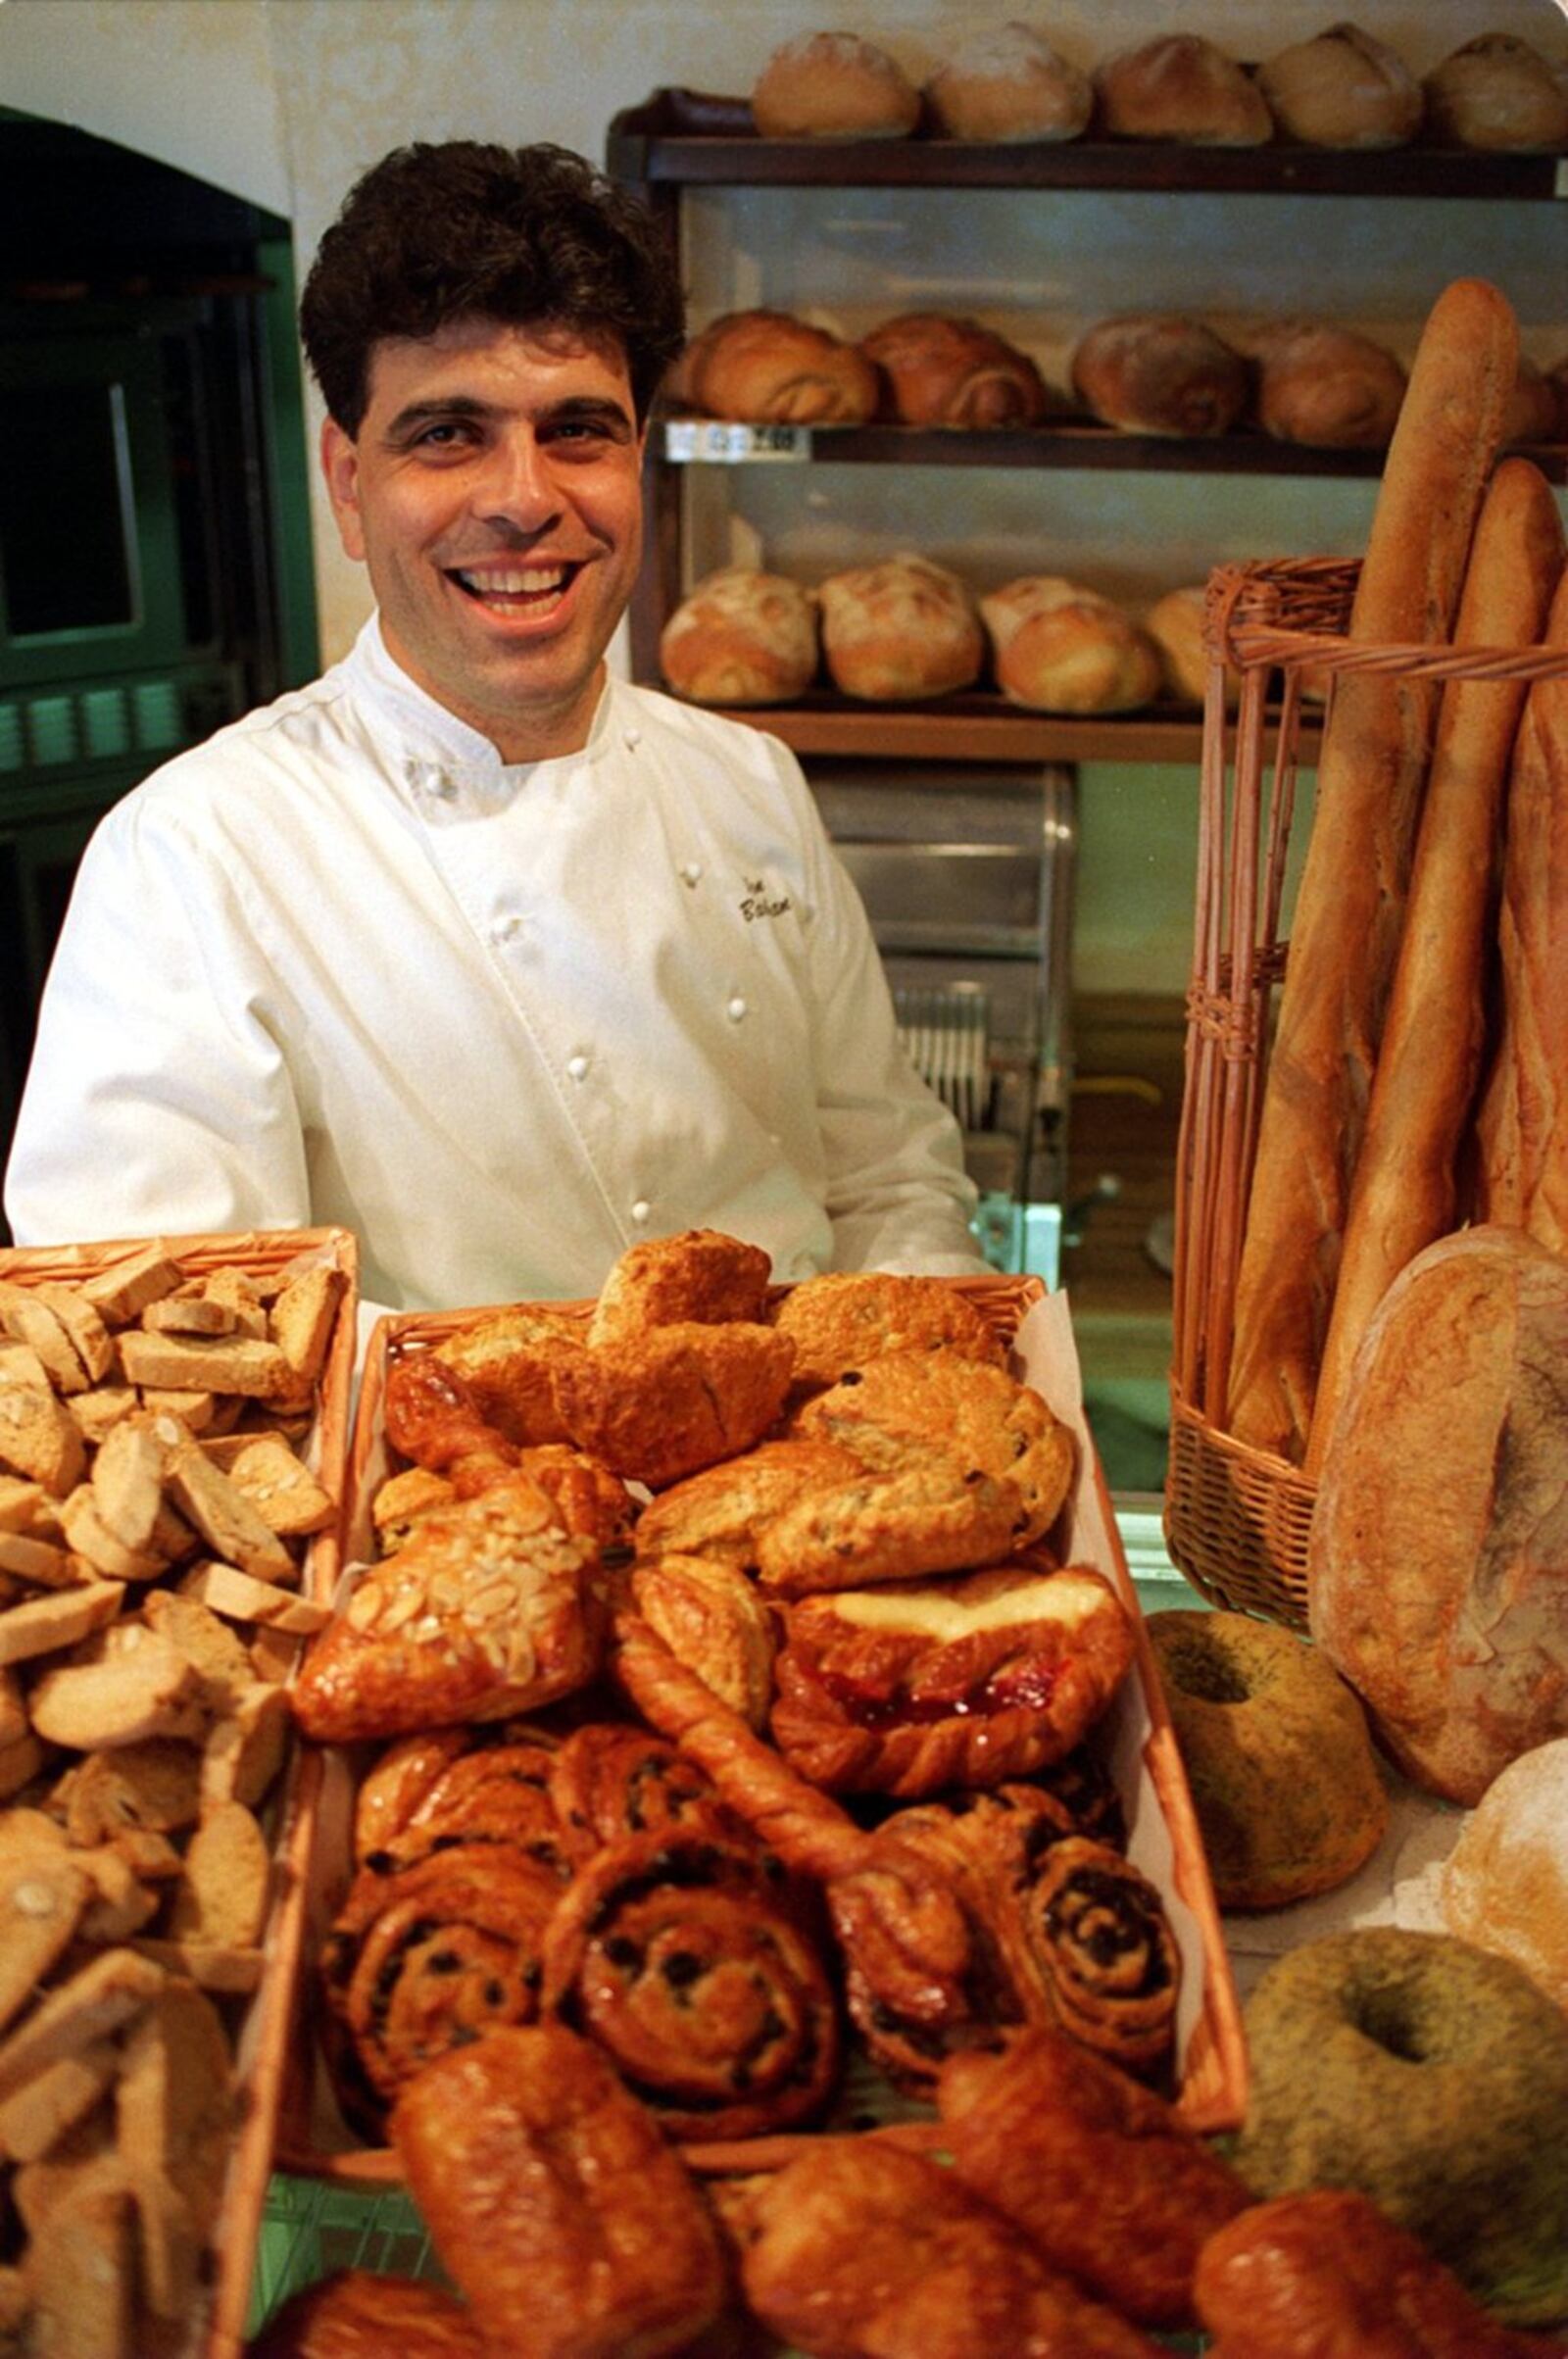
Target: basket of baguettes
(738, 1729)
(173, 1427)
(1370, 1159)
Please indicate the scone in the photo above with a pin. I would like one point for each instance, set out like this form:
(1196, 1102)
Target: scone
(844, 1318)
(507, 1361)
(923, 1685)
(932, 1514)
(699, 1275)
(656, 1406)
(724, 1511)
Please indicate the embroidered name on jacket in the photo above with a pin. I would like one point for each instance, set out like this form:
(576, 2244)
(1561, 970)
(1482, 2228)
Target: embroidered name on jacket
(758, 903)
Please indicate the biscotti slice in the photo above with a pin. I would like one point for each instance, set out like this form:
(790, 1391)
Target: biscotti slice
(97, 2000)
(152, 1789)
(247, 1747)
(27, 1317)
(100, 1409)
(43, 1897)
(127, 1482)
(186, 1313)
(239, 1599)
(1351, 904)
(231, 1363)
(302, 1318)
(36, 2116)
(241, 1294)
(43, 1562)
(175, 2113)
(209, 1965)
(126, 1683)
(45, 1625)
(89, 1338)
(80, 2271)
(208, 1643)
(40, 1439)
(121, 1291)
(225, 1517)
(25, 1507)
(222, 1900)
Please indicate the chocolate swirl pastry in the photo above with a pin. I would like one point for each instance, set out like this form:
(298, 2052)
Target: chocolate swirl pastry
(427, 1958)
(1100, 1958)
(686, 1960)
(611, 1780)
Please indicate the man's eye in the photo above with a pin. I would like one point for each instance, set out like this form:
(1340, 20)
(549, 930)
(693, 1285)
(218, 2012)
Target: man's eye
(446, 435)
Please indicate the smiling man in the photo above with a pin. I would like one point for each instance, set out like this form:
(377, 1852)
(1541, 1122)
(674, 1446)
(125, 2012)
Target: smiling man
(471, 945)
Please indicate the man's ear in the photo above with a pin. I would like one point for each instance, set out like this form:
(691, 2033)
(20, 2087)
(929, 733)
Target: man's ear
(340, 470)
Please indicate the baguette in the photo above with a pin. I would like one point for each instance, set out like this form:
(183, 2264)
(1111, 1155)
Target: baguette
(1406, 1189)
(1350, 902)
(1523, 1165)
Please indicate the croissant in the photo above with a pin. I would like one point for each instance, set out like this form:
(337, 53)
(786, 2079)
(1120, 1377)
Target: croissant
(944, 372)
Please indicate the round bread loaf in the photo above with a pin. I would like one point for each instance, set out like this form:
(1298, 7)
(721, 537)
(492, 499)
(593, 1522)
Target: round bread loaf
(942, 372)
(1434, 2078)
(1160, 373)
(1438, 1562)
(769, 367)
(741, 638)
(833, 85)
(1007, 82)
(1175, 624)
(1343, 88)
(1496, 92)
(1059, 648)
(1505, 1882)
(1277, 1754)
(900, 629)
(1181, 87)
(1325, 385)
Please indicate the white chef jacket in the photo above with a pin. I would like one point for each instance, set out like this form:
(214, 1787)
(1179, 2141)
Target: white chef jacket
(341, 963)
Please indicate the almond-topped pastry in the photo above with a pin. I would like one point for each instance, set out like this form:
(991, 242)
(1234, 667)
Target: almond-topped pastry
(487, 1610)
(916, 1686)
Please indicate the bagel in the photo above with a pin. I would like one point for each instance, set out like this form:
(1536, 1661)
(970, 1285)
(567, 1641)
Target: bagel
(1433, 2077)
(1288, 1795)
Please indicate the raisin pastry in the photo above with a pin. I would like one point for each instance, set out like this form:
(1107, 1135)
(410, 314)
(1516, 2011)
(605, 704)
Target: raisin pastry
(865, 2248)
(689, 1962)
(492, 1794)
(1100, 2175)
(916, 1685)
(911, 1403)
(846, 1317)
(660, 1403)
(489, 1609)
(722, 1511)
(427, 1958)
(396, 1783)
(699, 1275)
(555, 2202)
(936, 1517)
(611, 1780)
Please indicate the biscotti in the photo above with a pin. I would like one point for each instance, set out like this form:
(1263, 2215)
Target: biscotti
(1407, 1188)
(1350, 908)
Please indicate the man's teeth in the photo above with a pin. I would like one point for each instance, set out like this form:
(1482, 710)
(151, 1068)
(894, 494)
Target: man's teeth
(515, 581)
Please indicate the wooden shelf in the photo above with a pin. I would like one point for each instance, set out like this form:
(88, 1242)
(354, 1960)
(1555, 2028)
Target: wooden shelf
(690, 137)
(976, 727)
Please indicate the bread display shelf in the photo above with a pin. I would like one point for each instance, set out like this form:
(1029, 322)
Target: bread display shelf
(263, 2029)
(1238, 1519)
(689, 136)
(1082, 443)
(1138, 1738)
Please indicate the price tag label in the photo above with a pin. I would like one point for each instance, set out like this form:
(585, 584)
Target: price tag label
(715, 441)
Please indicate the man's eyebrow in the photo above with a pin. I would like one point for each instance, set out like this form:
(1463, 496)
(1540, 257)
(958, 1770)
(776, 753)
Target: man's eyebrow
(577, 408)
(427, 412)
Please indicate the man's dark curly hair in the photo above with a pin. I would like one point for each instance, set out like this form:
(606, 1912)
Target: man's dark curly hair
(435, 233)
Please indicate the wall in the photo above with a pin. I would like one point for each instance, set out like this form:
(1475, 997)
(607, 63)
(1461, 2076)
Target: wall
(287, 100)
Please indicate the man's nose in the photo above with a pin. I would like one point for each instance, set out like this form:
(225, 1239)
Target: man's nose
(518, 485)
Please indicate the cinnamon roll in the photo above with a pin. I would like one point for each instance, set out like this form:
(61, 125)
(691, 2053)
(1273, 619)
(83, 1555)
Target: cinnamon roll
(1096, 1954)
(686, 1959)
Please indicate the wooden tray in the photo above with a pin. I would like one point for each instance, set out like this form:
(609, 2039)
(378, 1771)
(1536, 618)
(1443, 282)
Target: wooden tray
(267, 2026)
(1163, 1830)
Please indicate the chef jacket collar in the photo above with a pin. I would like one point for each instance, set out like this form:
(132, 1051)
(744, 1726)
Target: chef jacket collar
(431, 733)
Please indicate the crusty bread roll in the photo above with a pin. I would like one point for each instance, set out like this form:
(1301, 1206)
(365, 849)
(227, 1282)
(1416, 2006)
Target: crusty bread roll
(1406, 1189)
(833, 85)
(1181, 87)
(1438, 1561)
(1537, 411)
(1505, 1882)
(741, 638)
(1059, 648)
(1007, 82)
(1343, 88)
(1523, 1175)
(1350, 906)
(1496, 92)
(768, 365)
(1324, 385)
(1160, 373)
(942, 372)
(901, 629)
(1175, 624)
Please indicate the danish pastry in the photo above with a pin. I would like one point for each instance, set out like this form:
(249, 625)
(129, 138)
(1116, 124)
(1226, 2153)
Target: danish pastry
(487, 1610)
(552, 2199)
(432, 1416)
(611, 1780)
(498, 1793)
(921, 1685)
(659, 1404)
(1102, 2175)
(842, 1319)
(687, 1960)
(710, 1614)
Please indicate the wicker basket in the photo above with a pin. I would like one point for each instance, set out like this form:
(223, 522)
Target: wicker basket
(1238, 1519)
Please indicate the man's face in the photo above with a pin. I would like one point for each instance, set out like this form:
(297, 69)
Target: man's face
(494, 492)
